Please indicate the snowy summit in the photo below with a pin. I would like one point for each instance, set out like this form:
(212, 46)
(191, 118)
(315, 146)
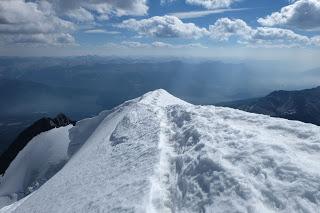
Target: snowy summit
(158, 153)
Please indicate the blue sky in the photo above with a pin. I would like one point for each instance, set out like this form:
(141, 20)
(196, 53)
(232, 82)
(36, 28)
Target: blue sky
(61, 27)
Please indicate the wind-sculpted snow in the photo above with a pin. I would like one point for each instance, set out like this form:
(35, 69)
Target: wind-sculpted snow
(160, 154)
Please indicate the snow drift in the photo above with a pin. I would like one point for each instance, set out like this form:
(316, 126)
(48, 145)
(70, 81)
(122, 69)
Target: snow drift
(160, 154)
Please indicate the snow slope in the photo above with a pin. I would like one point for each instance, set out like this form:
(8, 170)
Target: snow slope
(43, 156)
(160, 154)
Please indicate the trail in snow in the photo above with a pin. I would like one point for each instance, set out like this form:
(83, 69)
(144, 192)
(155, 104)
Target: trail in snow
(160, 195)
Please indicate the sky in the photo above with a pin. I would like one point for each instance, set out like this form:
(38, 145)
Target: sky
(265, 29)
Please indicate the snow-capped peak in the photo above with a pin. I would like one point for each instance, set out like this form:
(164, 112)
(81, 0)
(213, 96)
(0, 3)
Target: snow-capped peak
(160, 98)
(158, 153)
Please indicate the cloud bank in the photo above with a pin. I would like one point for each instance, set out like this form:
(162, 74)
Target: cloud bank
(225, 28)
(222, 30)
(302, 14)
(28, 22)
(53, 22)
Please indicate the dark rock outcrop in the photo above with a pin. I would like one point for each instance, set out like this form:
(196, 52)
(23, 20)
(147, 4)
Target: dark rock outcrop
(42, 125)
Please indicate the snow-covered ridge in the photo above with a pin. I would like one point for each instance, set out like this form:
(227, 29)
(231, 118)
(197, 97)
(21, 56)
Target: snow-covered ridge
(158, 153)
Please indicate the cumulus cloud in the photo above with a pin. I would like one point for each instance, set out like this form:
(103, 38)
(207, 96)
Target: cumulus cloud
(164, 27)
(225, 28)
(303, 14)
(222, 30)
(54, 21)
(24, 22)
(104, 8)
(278, 35)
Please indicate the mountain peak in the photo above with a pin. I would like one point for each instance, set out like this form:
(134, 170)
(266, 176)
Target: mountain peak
(144, 156)
(160, 97)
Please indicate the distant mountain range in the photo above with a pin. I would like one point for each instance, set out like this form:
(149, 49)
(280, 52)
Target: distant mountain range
(42, 125)
(302, 105)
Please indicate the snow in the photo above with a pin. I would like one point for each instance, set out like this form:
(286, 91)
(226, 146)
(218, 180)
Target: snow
(10, 208)
(158, 153)
(43, 156)
(82, 131)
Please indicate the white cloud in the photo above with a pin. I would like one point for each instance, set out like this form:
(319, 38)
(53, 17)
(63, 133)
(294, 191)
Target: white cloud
(104, 8)
(156, 44)
(303, 14)
(196, 14)
(208, 4)
(162, 44)
(80, 15)
(163, 2)
(134, 44)
(180, 46)
(222, 30)
(164, 27)
(278, 35)
(212, 4)
(126, 45)
(38, 39)
(225, 28)
(54, 21)
(315, 40)
(28, 22)
(101, 31)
